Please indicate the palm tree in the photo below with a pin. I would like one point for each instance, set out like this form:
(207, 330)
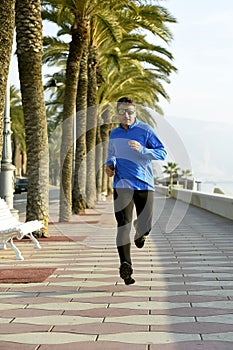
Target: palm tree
(29, 52)
(123, 63)
(54, 156)
(105, 129)
(91, 128)
(120, 55)
(54, 88)
(83, 12)
(55, 54)
(80, 171)
(79, 32)
(18, 131)
(105, 30)
(171, 169)
(80, 13)
(135, 68)
(7, 21)
(185, 174)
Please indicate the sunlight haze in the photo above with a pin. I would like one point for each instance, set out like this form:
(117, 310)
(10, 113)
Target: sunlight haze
(203, 52)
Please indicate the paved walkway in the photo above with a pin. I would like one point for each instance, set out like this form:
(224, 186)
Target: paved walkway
(182, 298)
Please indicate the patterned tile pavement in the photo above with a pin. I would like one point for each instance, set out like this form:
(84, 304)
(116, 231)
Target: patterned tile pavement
(182, 298)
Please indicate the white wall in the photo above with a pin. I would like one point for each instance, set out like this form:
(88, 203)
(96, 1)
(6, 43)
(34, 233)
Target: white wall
(215, 203)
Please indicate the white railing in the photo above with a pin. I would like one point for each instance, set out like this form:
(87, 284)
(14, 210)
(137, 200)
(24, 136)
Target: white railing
(215, 203)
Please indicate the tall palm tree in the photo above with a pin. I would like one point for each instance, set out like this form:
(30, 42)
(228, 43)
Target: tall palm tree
(105, 28)
(113, 34)
(171, 169)
(54, 88)
(105, 130)
(29, 52)
(125, 74)
(54, 156)
(80, 171)
(56, 52)
(7, 21)
(185, 174)
(136, 68)
(18, 131)
(80, 12)
(91, 128)
(79, 33)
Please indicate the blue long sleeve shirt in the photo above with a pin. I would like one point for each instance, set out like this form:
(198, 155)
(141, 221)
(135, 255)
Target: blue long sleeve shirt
(133, 169)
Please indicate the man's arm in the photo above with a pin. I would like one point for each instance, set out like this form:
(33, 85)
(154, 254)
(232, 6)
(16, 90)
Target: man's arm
(111, 160)
(110, 170)
(153, 150)
(158, 152)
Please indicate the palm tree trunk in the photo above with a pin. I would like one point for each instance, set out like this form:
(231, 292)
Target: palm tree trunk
(109, 186)
(16, 155)
(24, 162)
(79, 33)
(7, 21)
(91, 128)
(79, 190)
(99, 162)
(171, 179)
(105, 130)
(29, 52)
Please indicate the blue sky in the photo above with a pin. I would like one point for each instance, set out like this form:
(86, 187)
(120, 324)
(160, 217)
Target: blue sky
(201, 101)
(203, 51)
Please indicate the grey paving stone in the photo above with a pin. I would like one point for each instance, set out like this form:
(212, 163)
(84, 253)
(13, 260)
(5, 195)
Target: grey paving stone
(178, 274)
(193, 345)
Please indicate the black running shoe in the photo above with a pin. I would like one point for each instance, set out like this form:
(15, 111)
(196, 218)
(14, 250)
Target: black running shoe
(126, 272)
(138, 240)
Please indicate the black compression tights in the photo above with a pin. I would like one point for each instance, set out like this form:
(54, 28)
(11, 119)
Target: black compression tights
(124, 202)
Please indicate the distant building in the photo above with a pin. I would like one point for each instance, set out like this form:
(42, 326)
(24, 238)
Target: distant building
(177, 180)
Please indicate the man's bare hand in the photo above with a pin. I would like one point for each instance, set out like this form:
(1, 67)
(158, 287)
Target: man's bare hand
(110, 170)
(134, 145)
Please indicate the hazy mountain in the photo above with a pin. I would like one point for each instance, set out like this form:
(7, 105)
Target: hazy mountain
(209, 146)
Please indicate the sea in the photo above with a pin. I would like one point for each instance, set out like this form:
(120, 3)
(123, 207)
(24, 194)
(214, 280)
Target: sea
(209, 186)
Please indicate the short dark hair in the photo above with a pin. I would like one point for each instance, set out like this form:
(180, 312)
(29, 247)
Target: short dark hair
(125, 99)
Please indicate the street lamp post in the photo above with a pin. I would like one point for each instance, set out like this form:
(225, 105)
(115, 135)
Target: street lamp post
(7, 168)
(198, 185)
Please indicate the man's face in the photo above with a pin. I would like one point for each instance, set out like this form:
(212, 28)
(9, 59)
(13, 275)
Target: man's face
(126, 113)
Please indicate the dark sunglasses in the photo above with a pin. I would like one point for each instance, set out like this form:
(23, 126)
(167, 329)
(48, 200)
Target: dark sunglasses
(128, 111)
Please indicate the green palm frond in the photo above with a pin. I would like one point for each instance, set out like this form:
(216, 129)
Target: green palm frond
(128, 63)
(107, 29)
(55, 50)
